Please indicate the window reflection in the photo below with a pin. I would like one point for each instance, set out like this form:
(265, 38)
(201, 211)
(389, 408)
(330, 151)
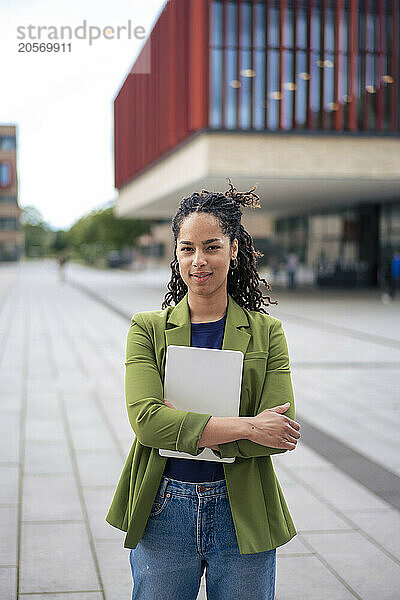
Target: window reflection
(246, 85)
(231, 79)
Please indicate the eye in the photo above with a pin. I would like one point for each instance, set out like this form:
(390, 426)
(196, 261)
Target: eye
(214, 247)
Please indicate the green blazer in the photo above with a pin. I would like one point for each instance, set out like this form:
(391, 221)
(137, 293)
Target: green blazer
(261, 517)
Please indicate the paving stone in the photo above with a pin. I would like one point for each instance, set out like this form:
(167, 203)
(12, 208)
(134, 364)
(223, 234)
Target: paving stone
(40, 429)
(360, 563)
(47, 458)
(340, 489)
(9, 476)
(307, 578)
(295, 546)
(51, 498)
(56, 557)
(9, 437)
(115, 569)
(98, 501)
(310, 513)
(8, 535)
(8, 583)
(383, 525)
(99, 468)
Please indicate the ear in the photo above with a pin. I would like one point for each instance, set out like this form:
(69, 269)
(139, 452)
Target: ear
(235, 248)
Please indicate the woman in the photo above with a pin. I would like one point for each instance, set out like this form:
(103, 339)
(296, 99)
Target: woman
(182, 515)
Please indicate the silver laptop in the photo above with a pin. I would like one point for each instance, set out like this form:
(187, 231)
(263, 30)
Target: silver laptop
(203, 380)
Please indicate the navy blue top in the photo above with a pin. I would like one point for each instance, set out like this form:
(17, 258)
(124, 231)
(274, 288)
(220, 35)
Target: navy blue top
(204, 335)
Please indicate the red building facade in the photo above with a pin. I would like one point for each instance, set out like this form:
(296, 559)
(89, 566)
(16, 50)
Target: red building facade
(316, 66)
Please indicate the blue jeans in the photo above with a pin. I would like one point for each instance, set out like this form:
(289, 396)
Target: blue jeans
(190, 528)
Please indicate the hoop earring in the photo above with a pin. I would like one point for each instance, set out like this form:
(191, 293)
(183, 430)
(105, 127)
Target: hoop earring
(235, 265)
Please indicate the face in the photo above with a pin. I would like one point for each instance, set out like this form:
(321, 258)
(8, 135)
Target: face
(202, 247)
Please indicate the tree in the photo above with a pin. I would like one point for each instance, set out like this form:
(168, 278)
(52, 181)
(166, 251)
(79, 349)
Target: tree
(38, 235)
(100, 231)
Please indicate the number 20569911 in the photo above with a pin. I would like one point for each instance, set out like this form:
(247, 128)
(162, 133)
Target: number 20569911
(44, 47)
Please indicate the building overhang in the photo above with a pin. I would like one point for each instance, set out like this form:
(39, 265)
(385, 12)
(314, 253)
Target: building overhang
(294, 173)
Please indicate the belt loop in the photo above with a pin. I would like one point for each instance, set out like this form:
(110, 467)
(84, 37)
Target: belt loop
(164, 484)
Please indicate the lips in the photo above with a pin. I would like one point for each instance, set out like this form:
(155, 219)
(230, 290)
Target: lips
(201, 276)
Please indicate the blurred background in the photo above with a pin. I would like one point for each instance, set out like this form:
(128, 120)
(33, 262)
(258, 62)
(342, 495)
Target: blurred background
(300, 98)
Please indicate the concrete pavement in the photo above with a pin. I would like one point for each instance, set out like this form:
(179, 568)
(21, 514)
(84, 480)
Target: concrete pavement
(65, 436)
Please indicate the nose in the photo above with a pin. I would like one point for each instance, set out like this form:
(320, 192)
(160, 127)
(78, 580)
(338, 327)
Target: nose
(198, 258)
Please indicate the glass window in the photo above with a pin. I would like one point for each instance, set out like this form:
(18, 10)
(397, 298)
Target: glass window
(259, 25)
(301, 26)
(253, 76)
(7, 142)
(328, 67)
(8, 199)
(216, 24)
(216, 81)
(5, 174)
(391, 78)
(315, 68)
(8, 223)
(232, 82)
(329, 27)
(230, 23)
(245, 68)
(231, 88)
(259, 89)
(288, 71)
(301, 88)
(259, 62)
(273, 27)
(245, 25)
(274, 94)
(216, 76)
(244, 91)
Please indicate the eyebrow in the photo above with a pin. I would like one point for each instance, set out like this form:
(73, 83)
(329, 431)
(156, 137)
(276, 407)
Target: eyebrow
(206, 242)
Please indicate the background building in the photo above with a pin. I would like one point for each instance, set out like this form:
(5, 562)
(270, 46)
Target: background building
(298, 96)
(11, 236)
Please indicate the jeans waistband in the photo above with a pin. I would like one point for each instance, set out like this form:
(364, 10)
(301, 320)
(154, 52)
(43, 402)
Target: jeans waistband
(188, 488)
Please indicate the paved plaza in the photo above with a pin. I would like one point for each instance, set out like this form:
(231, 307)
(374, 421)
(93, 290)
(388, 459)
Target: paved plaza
(65, 435)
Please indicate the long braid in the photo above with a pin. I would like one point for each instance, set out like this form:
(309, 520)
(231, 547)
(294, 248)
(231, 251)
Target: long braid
(243, 282)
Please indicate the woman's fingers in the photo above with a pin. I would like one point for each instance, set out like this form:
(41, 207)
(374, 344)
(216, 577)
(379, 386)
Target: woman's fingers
(168, 403)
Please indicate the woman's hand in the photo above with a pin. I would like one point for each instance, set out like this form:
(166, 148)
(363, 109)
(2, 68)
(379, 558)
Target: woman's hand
(273, 429)
(170, 405)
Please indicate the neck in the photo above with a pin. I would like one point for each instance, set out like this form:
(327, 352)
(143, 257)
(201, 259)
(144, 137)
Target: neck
(204, 309)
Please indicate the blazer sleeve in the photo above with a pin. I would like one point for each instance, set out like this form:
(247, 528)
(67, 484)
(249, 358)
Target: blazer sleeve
(155, 424)
(277, 389)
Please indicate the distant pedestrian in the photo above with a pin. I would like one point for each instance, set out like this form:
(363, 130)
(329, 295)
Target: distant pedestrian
(291, 267)
(62, 260)
(274, 263)
(394, 274)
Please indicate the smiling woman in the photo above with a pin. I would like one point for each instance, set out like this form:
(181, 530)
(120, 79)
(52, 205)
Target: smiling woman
(190, 513)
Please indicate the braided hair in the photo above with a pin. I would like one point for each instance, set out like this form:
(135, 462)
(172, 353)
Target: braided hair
(243, 281)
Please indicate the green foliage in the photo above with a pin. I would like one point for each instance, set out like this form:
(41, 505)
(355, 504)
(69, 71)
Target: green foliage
(38, 235)
(97, 233)
(91, 237)
(59, 241)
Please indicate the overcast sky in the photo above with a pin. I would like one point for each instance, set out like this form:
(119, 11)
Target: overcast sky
(62, 103)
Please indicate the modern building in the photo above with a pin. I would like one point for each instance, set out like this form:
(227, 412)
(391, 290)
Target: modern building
(11, 236)
(298, 96)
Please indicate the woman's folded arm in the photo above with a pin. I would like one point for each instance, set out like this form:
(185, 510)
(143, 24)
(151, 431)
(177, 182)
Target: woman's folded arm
(277, 390)
(154, 424)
